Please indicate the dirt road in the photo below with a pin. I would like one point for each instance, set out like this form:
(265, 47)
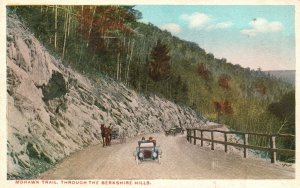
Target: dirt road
(180, 160)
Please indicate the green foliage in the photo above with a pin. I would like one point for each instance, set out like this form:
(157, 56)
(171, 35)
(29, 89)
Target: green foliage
(224, 81)
(159, 68)
(284, 110)
(125, 49)
(203, 72)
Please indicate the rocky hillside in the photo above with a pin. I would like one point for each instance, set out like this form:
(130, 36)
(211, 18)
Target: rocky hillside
(53, 111)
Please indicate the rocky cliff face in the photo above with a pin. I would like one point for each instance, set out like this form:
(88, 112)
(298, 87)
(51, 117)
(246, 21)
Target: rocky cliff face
(53, 111)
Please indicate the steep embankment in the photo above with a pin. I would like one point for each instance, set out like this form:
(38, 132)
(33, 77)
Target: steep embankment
(53, 111)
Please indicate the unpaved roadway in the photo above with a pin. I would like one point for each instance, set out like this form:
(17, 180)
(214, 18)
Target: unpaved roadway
(180, 160)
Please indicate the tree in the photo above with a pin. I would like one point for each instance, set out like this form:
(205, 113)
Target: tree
(223, 107)
(224, 81)
(180, 90)
(159, 67)
(203, 72)
(100, 24)
(223, 60)
(261, 88)
(107, 31)
(227, 107)
(210, 57)
(55, 28)
(285, 111)
(66, 28)
(219, 108)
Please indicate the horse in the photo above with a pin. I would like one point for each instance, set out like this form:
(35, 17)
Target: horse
(106, 133)
(109, 135)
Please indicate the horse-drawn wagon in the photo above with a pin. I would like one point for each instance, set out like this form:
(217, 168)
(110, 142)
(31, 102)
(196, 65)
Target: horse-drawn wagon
(118, 134)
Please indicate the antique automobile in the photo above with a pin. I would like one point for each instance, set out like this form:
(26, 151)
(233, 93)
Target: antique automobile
(174, 130)
(169, 132)
(147, 151)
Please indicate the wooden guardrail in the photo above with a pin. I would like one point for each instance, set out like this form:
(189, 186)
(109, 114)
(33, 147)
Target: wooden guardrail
(245, 145)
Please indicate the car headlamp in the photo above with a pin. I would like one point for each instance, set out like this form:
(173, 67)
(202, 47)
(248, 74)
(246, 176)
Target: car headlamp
(141, 155)
(154, 154)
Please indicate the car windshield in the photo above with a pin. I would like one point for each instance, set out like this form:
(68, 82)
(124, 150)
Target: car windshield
(148, 144)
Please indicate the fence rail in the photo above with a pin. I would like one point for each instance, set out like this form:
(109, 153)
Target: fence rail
(245, 145)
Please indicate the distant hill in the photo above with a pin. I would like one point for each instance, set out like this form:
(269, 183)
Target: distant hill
(284, 75)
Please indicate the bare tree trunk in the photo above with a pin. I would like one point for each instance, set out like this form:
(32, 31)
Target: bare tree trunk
(55, 28)
(91, 26)
(129, 61)
(81, 46)
(81, 25)
(66, 31)
(69, 21)
(120, 62)
(118, 68)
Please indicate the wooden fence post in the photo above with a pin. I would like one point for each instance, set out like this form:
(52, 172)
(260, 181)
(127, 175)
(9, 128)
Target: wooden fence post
(194, 136)
(225, 139)
(273, 146)
(212, 140)
(245, 144)
(187, 134)
(271, 149)
(201, 137)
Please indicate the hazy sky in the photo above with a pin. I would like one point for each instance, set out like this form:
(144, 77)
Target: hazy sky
(252, 36)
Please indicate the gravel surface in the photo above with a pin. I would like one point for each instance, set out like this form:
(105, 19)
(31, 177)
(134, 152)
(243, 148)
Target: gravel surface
(180, 160)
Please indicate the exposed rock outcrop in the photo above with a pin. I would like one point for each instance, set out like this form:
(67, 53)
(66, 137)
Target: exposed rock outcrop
(53, 111)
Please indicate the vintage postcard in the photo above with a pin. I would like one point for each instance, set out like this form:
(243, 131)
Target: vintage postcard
(149, 94)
